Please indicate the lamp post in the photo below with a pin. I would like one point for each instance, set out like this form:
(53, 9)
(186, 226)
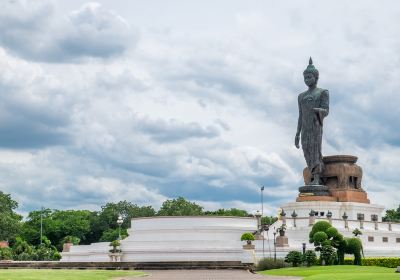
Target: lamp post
(274, 245)
(304, 248)
(346, 225)
(41, 225)
(262, 201)
(119, 222)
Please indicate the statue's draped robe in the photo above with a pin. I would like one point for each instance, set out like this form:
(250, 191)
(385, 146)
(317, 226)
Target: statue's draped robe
(310, 124)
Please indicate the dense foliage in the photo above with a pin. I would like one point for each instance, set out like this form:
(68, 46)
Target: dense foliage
(392, 262)
(332, 245)
(310, 257)
(10, 221)
(180, 207)
(269, 263)
(294, 257)
(392, 215)
(248, 236)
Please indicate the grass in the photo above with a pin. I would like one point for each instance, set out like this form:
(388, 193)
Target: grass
(338, 272)
(63, 274)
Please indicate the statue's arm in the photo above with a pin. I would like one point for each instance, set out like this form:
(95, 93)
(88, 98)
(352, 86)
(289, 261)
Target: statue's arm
(297, 138)
(323, 110)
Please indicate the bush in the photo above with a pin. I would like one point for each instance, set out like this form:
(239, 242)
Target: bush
(6, 254)
(385, 262)
(328, 255)
(268, 263)
(247, 236)
(294, 257)
(310, 258)
(47, 252)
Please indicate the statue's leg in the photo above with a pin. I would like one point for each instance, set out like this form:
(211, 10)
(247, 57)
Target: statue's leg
(316, 180)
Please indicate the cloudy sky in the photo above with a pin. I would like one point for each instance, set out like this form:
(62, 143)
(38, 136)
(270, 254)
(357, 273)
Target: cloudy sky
(149, 100)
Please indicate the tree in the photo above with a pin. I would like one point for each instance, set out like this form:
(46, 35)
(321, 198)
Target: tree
(56, 225)
(109, 213)
(113, 234)
(180, 207)
(10, 222)
(228, 212)
(268, 220)
(392, 215)
(326, 239)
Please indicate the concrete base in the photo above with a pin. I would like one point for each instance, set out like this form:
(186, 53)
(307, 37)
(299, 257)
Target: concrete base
(350, 196)
(177, 239)
(315, 198)
(282, 241)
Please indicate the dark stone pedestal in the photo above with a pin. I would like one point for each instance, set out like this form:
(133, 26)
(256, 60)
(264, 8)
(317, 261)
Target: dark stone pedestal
(341, 181)
(314, 190)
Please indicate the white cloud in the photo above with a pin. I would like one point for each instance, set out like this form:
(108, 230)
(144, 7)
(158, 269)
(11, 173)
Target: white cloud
(202, 110)
(35, 31)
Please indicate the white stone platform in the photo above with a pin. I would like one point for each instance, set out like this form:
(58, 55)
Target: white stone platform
(158, 239)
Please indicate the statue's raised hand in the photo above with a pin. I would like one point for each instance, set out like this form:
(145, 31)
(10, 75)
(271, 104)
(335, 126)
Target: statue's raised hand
(296, 141)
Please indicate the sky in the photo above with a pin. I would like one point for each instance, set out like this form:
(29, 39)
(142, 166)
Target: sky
(151, 100)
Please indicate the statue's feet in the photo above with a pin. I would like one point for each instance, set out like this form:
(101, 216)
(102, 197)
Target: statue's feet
(315, 182)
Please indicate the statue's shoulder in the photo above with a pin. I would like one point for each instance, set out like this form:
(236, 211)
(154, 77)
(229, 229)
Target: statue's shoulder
(302, 94)
(323, 91)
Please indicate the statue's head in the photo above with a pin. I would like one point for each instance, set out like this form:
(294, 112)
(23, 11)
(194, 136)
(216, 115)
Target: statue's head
(311, 74)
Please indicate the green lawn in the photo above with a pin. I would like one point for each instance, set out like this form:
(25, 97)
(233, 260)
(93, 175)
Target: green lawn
(338, 272)
(63, 274)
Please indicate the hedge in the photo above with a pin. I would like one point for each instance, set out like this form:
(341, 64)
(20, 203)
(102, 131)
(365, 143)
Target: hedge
(385, 262)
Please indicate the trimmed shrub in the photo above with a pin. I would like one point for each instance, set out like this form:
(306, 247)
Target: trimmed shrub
(332, 232)
(309, 257)
(319, 226)
(294, 257)
(354, 246)
(248, 236)
(268, 263)
(320, 237)
(385, 262)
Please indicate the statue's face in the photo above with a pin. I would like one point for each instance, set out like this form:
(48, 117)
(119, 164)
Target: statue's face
(310, 80)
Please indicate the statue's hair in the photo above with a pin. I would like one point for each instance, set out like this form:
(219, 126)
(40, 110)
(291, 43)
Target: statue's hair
(311, 69)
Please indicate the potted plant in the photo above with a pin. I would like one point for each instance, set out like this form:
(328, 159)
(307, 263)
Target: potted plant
(115, 253)
(248, 237)
(357, 232)
(281, 230)
(69, 241)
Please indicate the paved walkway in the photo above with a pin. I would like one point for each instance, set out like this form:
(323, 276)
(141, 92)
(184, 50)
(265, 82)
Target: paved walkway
(205, 275)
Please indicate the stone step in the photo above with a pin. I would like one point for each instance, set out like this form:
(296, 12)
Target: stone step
(126, 265)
